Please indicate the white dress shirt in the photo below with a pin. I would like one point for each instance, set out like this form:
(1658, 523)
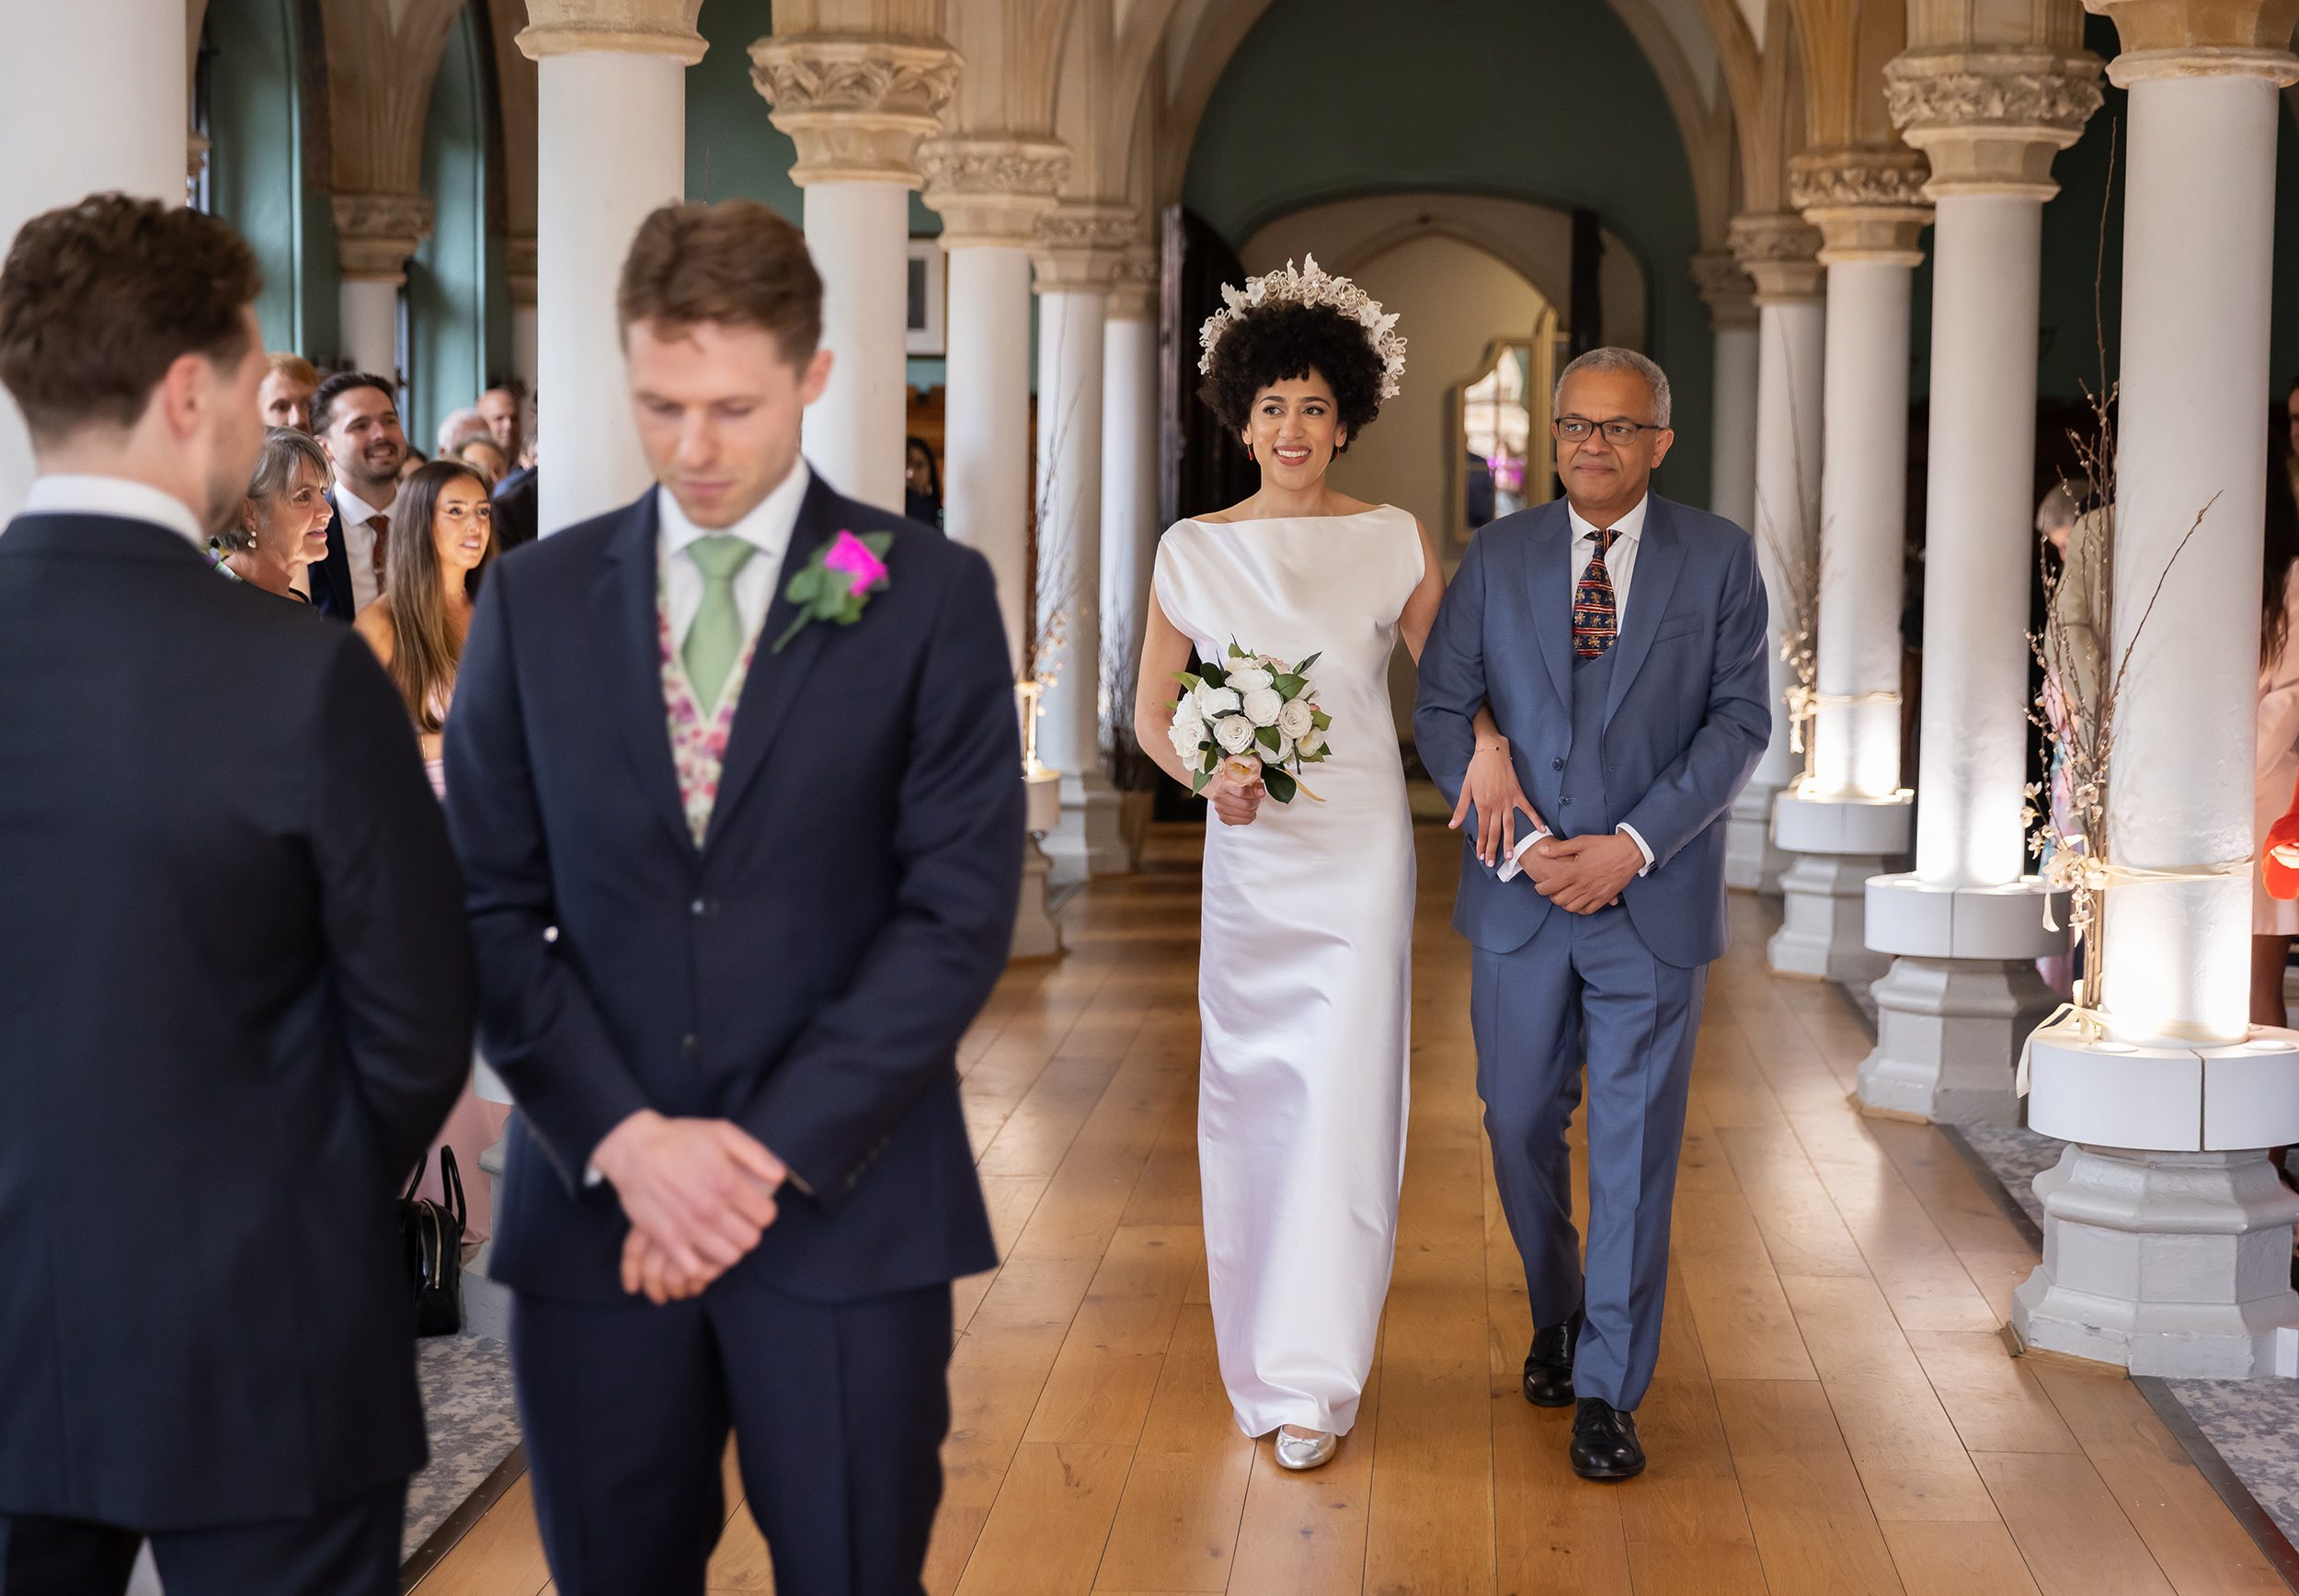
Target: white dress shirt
(72, 494)
(767, 529)
(359, 542)
(1620, 564)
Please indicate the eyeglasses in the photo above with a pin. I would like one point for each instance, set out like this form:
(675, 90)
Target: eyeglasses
(1580, 429)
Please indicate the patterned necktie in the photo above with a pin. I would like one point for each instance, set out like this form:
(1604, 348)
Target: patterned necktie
(715, 641)
(1595, 618)
(381, 526)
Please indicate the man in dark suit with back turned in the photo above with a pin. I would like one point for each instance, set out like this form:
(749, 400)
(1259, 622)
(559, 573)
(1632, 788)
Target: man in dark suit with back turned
(235, 985)
(740, 878)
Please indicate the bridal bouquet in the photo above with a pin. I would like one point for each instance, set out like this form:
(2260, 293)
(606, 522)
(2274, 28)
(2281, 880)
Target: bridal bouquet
(1254, 715)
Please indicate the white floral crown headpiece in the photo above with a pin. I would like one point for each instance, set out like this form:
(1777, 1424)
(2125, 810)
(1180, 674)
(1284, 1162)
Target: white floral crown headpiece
(1313, 285)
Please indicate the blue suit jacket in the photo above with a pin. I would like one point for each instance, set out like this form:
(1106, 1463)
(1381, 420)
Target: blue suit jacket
(806, 973)
(1687, 717)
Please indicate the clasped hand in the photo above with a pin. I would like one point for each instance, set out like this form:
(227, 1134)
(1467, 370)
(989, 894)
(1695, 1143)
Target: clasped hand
(699, 1194)
(1237, 801)
(1583, 874)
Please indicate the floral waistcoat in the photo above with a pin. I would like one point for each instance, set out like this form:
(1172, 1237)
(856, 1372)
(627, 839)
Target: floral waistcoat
(698, 741)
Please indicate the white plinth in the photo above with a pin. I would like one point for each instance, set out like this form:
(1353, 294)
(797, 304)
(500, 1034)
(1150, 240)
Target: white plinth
(1087, 840)
(1803, 823)
(2174, 1264)
(1753, 862)
(1834, 844)
(1036, 934)
(1960, 997)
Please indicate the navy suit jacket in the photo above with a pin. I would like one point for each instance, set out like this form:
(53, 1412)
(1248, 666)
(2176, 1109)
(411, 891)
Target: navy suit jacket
(1686, 719)
(808, 972)
(331, 578)
(235, 1002)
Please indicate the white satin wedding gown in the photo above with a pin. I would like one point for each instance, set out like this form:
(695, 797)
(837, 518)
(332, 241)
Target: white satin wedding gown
(1304, 968)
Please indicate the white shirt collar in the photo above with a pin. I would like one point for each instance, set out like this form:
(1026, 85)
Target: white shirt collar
(1629, 527)
(83, 494)
(356, 511)
(767, 528)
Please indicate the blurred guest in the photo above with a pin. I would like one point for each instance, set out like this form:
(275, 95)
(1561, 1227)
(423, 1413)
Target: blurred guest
(482, 456)
(285, 398)
(921, 484)
(282, 525)
(518, 505)
(235, 978)
(2275, 922)
(417, 627)
(459, 428)
(358, 418)
(2072, 679)
(415, 462)
(500, 407)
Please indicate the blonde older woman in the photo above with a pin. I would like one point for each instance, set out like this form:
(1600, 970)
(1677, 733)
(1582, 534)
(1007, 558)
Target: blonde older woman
(282, 526)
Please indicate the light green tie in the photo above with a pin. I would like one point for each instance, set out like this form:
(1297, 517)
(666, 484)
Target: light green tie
(714, 640)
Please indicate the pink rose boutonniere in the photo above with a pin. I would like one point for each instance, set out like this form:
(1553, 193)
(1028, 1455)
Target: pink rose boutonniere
(841, 577)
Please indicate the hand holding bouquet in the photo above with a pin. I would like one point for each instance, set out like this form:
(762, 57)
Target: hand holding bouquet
(1257, 716)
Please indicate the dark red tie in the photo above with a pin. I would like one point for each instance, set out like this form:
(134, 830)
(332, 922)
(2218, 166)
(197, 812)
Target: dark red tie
(380, 527)
(1595, 617)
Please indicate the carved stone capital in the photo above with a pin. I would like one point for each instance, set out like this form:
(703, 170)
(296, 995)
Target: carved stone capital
(376, 232)
(521, 263)
(858, 107)
(1868, 203)
(1134, 288)
(993, 190)
(1782, 251)
(1728, 292)
(1083, 243)
(2202, 39)
(1991, 119)
(612, 28)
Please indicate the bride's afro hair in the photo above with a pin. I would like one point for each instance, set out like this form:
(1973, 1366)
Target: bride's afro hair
(1277, 343)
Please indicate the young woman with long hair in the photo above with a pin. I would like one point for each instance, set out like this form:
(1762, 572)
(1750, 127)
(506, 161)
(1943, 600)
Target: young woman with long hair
(442, 537)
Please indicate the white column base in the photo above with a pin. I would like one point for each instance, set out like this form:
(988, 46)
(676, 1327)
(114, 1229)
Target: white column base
(1088, 841)
(2174, 1264)
(1036, 934)
(1753, 862)
(1948, 1036)
(1823, 919)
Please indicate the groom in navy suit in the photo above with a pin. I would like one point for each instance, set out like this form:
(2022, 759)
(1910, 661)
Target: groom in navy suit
(1621, 641)
(742, 868)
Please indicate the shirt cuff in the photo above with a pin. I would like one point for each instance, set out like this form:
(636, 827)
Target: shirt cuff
(1643, 846)
(1511, 867)
(594, 1176)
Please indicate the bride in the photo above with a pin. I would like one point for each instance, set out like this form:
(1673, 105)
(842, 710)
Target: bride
(1305, 960)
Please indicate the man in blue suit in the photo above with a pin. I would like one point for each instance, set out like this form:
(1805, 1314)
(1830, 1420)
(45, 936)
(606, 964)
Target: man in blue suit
(1621, 641)
(740, 873)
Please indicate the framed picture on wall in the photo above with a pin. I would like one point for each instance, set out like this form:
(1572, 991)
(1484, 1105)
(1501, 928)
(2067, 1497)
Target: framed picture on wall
(929, 298)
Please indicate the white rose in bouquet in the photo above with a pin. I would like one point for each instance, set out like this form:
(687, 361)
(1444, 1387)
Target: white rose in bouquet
(1263, 706)
(1314, 742)
(1234, 733)
(1189, 730)
(1250, 679)
(1297, 719)
(1216, 701)
(1285, 751)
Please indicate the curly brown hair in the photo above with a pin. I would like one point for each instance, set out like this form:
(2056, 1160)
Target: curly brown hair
(98, 299)
(735, 262)
(1275, 343)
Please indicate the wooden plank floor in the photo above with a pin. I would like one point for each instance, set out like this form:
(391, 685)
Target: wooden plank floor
(1834, 1412)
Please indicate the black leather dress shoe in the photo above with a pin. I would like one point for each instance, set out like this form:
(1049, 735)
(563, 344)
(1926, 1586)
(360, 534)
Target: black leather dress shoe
(1549, 1367)
(1605, 1445)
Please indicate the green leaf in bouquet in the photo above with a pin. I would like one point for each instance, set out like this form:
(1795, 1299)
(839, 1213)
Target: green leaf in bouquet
(1189, 683)
(1236, 652)
(1280, 786)
(1216, 676)
(1322, 721)
(1290, 687)
(1303, 668)
(1197, 783)
(1212, 758)
(1269, 737)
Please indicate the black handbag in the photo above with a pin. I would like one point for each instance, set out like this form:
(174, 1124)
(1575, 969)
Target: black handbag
(432, 1235)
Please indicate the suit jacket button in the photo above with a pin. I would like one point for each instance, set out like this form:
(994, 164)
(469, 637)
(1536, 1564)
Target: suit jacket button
(689, 1045)
(696, 909)
(1556, 764)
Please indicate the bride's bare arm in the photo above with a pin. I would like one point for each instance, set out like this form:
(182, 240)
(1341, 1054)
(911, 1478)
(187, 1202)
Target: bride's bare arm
(1164, 651)
(1492, 787)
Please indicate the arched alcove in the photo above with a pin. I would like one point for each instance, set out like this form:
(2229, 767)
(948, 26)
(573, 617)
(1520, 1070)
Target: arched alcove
(257, 176)
(457, 304)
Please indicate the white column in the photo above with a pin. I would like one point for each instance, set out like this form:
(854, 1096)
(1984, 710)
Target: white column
(368, 311)
(1966, 926)
(131, 51)
(858, 107)
(611, 147)
(1850, 814)
(990, 193)
(525, 329)
(1080, 254)
(1130, 472)
(1781, 252)
(1731, 299)
(376, 233)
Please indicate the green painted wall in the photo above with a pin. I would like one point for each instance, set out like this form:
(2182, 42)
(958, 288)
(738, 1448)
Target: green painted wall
(449, 292)
(734, 152)
(1550, 103)
(256, 170)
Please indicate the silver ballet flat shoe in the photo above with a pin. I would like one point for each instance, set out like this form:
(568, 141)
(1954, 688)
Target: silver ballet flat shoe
(1302, 1451)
